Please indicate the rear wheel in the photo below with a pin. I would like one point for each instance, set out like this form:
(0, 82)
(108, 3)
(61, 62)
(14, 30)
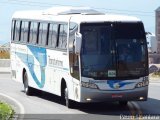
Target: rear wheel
(27, 89)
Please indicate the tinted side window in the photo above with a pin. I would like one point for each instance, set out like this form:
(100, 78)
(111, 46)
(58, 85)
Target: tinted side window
(13, 30)
(24, 31)
(42, 39)
(17, 30)
(73, 58)
(52, 38)
(73, 28)
(33, 33)
(62, 36)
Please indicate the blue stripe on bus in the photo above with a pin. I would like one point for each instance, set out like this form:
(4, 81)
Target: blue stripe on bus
(121, 83)
(66, 69)
(41, 57)
(39, 54)
(31, 69)
(61, 68)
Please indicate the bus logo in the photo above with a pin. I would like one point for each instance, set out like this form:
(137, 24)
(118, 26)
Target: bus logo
(116, 86)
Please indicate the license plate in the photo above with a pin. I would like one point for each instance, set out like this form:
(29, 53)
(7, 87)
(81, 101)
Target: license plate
(117, 95)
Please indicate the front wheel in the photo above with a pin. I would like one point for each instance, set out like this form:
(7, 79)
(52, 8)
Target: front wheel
(68, 102)
(27, 89)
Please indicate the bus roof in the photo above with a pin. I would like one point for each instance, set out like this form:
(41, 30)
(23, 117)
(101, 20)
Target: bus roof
(77, 14)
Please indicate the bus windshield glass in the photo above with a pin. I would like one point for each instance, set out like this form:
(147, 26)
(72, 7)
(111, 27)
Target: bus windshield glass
(113, 50)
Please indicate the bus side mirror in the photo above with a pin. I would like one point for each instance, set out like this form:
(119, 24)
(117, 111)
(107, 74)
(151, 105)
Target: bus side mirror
(78, 42)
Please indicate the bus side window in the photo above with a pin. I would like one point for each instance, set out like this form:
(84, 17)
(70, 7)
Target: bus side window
(62, 42)
(73, 28)
(42, 37)
(52, 37)
(24, 32)
(17, 30)
(33, 33)
(73, 58)
(13, 30)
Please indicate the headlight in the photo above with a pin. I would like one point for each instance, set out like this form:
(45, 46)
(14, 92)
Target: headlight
(89, 85)
(144, 83)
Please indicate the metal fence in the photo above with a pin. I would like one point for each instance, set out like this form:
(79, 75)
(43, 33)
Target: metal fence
(4, 48)
(5, 62)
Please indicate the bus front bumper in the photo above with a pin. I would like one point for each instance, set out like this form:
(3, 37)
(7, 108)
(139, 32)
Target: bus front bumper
(95, 95)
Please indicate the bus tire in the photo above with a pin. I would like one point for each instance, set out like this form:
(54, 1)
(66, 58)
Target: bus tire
(123, 103)
(27, 89)
(68, 102)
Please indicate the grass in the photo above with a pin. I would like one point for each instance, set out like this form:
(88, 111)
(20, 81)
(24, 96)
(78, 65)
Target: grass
(4, 55)
(6, 111)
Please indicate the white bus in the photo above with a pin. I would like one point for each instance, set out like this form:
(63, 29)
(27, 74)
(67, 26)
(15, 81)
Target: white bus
(76, 53)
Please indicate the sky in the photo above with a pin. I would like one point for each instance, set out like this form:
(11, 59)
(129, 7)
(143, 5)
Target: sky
(143, 9)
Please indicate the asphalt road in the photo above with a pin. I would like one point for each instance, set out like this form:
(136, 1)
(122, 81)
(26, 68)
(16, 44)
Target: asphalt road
(47, 106)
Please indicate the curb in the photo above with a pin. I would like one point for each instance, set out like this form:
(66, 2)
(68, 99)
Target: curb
(5, 70)
(16, 106)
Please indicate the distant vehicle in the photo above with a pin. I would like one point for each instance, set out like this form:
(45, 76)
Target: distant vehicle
(74, 53)
(153, 68)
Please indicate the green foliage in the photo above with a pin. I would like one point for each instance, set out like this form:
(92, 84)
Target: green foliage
(6, 112)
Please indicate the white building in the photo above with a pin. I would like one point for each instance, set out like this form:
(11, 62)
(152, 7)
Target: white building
(152, 43)
(157, 14)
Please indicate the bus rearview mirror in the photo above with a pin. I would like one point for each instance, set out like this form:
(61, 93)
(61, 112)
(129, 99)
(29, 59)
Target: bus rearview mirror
(78, 42)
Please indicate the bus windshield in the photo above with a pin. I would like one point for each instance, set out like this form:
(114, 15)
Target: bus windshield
(113, 50)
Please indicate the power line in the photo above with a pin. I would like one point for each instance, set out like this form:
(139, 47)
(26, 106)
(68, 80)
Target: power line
(78, 6)
(133, 14)
(3, 2)
(26, 4)
(49, 4)
(115, 11)
(125, 10)
(40, 4)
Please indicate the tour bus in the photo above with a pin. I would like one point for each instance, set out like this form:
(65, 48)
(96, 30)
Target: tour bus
(76, 53)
